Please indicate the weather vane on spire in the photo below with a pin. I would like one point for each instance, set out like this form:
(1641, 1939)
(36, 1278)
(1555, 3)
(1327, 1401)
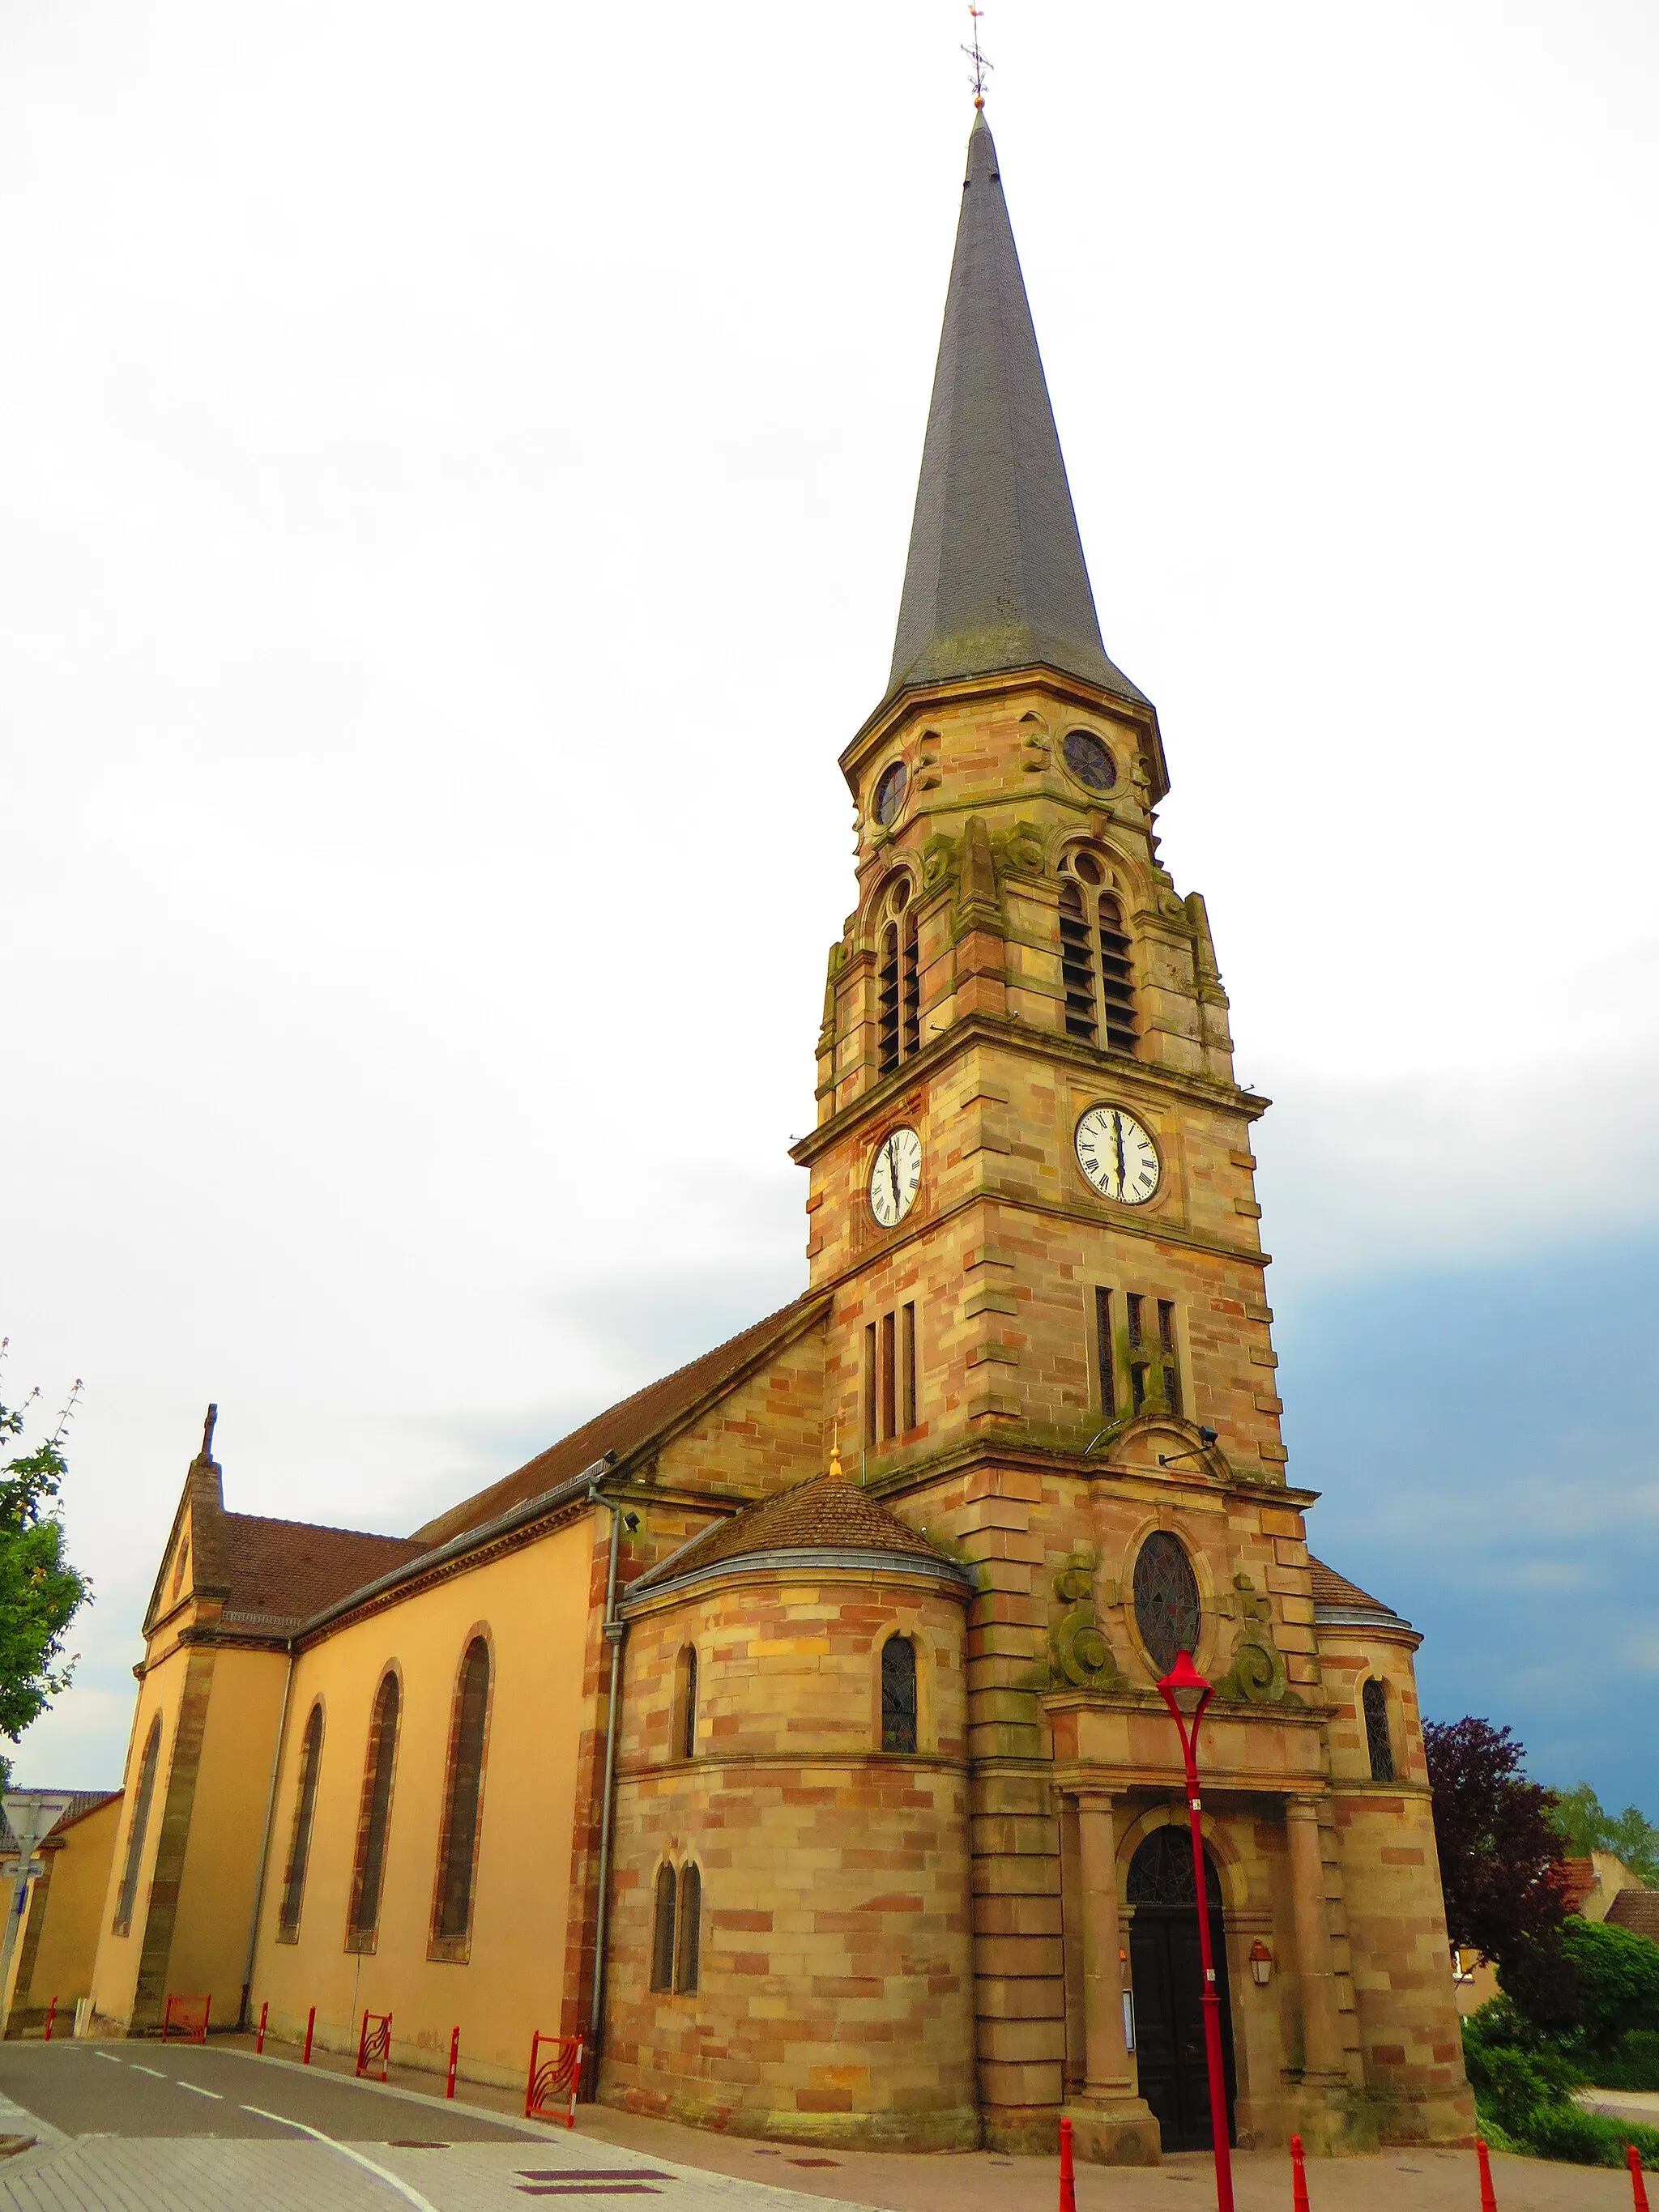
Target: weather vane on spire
(980, 64)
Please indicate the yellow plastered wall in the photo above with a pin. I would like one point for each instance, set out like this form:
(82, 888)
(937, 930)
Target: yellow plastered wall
(209, 1954)
(80, 1859)
(534, 1604)
(115, 1970)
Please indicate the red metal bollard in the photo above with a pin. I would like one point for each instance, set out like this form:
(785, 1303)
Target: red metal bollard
(1067, 2178)
(1298, 2177)
(311, 2023)
(1488, 2199)
(259, 2040)
(1638, 2188)
(454, 2055)
(51, 2014)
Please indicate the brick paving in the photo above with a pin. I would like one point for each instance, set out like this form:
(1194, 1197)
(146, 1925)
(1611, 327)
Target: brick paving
(413, 2151)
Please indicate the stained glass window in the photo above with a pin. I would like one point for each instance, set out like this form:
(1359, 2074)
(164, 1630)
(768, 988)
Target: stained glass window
(460, 1842)
(898, 1694)
(299, 1850)
(1089, 760)
(1166, 1599)
(1160, 1871)
(374, 1819)
(685, 1970)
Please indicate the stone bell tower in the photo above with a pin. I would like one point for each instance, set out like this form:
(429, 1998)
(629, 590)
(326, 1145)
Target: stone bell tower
(1032, 1199)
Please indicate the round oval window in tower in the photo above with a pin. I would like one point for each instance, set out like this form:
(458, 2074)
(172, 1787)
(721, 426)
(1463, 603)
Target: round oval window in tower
(1166, 1599)
(1088, 759)
(890, 792)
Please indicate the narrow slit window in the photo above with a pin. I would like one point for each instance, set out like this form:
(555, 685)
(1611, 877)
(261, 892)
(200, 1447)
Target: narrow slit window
(889, 1366)
(688, 1743)
(898, 1694)
(136, 1829)
(1170, 1355)
(1076, 965)
(373, 1820)
(459, 1856)
(1135, 1306)
(1375, 1701)
(908, 1366)
(690, 1932)
(662, 1934)
(888, 1000)
(1104, 1355)
(870, 1384)
(299, 1848)
(1117, 987)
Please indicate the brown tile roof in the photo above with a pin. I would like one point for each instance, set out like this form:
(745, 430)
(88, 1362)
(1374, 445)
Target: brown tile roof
(623, 1428)
(285, 1570)
(1578, 1879)
(1332, 1589)
(1636, 1910)
(82, 1802)
(825, 1513)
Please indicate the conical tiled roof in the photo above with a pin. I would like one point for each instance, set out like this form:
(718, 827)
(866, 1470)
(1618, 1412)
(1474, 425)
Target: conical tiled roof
(1331, 1588)
(996, 577)
(826, 1513)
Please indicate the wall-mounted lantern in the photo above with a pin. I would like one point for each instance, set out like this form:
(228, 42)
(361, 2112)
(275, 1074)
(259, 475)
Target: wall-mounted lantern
(1261, 1963)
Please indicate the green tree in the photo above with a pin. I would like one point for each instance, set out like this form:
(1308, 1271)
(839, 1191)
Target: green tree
(40, 1593)
(1617, 1978)
(1586, 1826)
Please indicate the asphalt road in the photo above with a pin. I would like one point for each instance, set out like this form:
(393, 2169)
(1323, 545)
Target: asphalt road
(145, 2088)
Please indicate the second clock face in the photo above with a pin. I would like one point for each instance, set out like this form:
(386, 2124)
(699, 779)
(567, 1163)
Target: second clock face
(896, 1178)
(1117, 1154)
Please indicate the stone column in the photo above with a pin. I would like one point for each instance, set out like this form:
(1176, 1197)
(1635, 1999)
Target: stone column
(1106, 2059)
(1321, 2041)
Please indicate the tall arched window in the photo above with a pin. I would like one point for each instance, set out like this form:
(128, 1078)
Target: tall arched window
(457, 1855)
(136, 1827)
(373, 1819)
(898, 1694)
(1374, 1699)
(1096, 970)
(662, 1933)
(685, 1704)
(690, 1942)
(299, 1847)
(899, 981)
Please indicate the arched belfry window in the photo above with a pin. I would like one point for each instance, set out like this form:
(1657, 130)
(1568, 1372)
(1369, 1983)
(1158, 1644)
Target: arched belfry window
(458, 1855)
(898, 1694)
(899, 979)
(1374, 1701)
(136, 1828)
(1097, 969)
(662, 1932)
(1167, 1611)
(299, 1846)
(373, 1818)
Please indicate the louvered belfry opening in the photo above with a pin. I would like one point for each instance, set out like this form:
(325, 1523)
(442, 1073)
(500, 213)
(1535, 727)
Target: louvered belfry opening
(1116, 977)
(1077, 966)
(899, 981)
(910, 989)
(890, 999)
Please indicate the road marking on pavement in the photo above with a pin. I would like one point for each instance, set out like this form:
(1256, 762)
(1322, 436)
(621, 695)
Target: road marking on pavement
(156, 2070)
(200, 2092)
(392, 2181)
(105, 2056)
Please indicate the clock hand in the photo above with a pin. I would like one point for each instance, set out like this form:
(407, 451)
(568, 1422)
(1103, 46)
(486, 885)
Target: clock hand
(1117, 1136)
(892, 1171)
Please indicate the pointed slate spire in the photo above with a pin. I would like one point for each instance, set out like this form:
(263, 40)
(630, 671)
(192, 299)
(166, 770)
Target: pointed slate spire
(996, 576)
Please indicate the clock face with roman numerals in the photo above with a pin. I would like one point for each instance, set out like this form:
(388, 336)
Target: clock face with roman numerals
(896, 1178)
(1117, 1154)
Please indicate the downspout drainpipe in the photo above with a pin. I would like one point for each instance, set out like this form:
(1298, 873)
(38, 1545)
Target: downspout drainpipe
(265, 1842)
(615, 1630)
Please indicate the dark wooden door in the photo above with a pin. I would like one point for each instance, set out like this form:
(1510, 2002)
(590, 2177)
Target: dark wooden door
(1167, 1970)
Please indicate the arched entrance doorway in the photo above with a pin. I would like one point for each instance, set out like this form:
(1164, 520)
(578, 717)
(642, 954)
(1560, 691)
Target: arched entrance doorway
(1167, 1971)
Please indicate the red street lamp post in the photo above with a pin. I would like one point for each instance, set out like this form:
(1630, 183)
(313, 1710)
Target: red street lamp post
(1186, 1693)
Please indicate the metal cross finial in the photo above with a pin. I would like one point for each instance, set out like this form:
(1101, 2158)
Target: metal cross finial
(208, 1427)
(980, 64)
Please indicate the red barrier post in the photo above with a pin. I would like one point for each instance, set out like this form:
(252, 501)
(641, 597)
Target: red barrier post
(1298, 2177)
(454, 2055)
(51, 2014)
(311, 2023)
(1067, 2175)
(259, 2040)
(1638, 2188)
(1488, 2197)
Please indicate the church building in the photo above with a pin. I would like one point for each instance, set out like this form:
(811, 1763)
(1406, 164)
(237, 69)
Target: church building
(791, 1731)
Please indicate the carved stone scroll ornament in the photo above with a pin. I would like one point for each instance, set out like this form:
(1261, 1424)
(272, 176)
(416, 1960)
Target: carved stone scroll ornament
(1081, 1654)
(1256, 1673)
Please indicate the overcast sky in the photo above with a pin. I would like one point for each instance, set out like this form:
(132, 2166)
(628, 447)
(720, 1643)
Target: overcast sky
(455, 467)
